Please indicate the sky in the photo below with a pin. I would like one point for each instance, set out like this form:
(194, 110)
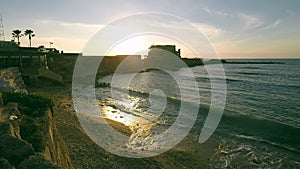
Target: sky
(235, 28)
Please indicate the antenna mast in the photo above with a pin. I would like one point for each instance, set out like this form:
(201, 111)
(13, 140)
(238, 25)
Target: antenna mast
(2, 35)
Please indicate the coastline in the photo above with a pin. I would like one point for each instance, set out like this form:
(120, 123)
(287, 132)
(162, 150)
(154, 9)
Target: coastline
(85, 153)
(241, 140)
(220, 151)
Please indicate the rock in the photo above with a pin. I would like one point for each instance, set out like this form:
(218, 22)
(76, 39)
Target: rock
(11, 105)
(52, 76)
(1, 100)
(9, 123)
(4, 164)
(6, 129)
(37, 161)
(11, 80)
(10, 128)
(14, 149)
(8, 110)
(102, 84)
(13, 117)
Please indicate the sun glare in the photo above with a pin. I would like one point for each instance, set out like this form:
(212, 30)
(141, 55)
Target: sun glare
(134, 45)
(139, 45)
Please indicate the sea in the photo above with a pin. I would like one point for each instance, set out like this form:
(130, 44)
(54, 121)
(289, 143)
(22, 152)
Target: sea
(260, 125)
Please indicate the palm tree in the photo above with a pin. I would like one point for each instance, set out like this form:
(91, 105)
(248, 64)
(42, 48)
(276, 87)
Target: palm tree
(17, 34)
(30, 34)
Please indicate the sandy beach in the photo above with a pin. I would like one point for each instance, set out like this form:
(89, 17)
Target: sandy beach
(86, 154)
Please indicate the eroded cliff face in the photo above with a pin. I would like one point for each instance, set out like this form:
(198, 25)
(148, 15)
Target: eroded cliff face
(27, 139)
(56, 150)
(19, 152)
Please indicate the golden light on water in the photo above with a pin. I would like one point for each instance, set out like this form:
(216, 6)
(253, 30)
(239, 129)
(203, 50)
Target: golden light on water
(118, 116)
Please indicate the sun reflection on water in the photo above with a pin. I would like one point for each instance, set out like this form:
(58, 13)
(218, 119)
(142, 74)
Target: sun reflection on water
(118, 116)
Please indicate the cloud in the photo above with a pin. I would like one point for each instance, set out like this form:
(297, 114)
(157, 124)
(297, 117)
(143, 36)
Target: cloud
(215, 12)
(250, 22)
(274, 25)
(68, 36)
(255, 23)
(70, 24)
(67, 44)
(209, 30)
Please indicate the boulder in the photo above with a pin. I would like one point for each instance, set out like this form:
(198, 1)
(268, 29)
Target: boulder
(14, 149)
(8, 110)
(6, 129)
(4, 164)
(11, 80)
(9, 124)
(10, 128)
(52, 76)
(37, 161)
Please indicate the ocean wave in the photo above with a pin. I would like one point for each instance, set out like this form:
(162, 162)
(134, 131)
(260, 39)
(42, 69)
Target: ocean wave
(266, 130)
(177, 101)
(250, 67)
(252, 73)
(235, 153)
(258, 139)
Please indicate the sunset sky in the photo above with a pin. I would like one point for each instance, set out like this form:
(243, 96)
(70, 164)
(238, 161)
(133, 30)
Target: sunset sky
(236, 28)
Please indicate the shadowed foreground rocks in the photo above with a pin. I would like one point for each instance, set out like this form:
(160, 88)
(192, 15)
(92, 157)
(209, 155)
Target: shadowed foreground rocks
(14, 150)
(37, 161)
(29, 139)
(4, 164)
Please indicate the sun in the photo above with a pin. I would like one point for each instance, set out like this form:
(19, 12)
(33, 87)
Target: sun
(131, 46)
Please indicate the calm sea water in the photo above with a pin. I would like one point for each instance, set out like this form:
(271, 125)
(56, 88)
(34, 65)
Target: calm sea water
(261, 120)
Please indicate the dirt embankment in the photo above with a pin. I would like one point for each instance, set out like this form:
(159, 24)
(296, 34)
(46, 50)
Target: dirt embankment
(29, 137)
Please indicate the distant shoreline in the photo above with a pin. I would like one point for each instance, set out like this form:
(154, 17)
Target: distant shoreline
(250, 62)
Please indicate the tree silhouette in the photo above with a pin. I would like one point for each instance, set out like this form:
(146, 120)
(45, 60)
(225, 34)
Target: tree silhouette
(17, 34)
(30, 34)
